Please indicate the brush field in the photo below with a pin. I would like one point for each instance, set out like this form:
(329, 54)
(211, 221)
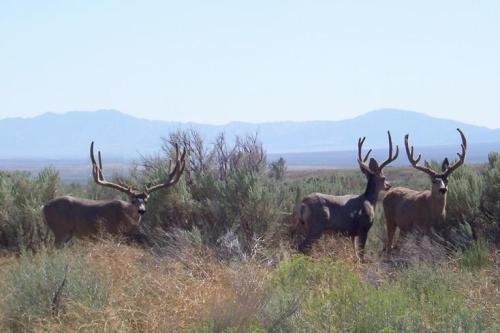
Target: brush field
(220, 257)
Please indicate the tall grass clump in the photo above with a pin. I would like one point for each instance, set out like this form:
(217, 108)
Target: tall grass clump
(475, 257)
(41, 286)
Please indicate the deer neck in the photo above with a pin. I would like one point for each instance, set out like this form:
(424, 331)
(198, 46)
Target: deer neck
(437, 203)
(133, 213)
(371, 191)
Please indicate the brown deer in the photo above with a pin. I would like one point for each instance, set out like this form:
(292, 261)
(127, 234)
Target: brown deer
(351, 215)
(419, 210)
(69, 216)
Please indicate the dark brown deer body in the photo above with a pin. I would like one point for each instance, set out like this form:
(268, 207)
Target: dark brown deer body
(411, 210)
(350, 215)
(69, 217)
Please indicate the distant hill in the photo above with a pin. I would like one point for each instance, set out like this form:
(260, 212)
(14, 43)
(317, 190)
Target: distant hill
(68, 136)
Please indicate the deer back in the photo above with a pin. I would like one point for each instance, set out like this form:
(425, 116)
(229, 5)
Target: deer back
(70, 216)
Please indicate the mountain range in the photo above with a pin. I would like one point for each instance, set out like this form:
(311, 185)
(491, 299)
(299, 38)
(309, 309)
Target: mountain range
(118, 135)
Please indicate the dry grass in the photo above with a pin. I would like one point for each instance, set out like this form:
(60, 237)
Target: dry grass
(148, 293)
(186, 289)
(156, 295)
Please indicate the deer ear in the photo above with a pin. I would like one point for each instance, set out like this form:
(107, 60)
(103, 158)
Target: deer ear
(445, 164)
(373, 165)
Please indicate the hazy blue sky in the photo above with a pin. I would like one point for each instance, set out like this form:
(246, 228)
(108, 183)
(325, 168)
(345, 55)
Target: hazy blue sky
(218, 61)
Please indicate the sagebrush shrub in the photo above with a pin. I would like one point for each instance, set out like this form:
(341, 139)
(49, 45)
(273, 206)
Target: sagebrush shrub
(40, 285)
(334, 298)
(490, 222)
(465, 193)
(21, 199)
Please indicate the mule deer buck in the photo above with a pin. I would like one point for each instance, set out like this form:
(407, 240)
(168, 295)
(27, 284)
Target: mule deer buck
(69, 216)
(351, 215)
(409, 209)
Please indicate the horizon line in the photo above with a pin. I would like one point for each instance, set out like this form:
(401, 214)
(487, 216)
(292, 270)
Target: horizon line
(386, 109)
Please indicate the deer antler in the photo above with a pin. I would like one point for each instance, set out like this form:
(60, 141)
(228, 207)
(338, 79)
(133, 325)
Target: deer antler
(414, 162)
(174, 176)
(98, 174)
(461, 157)
(390, 158)
(361, 160)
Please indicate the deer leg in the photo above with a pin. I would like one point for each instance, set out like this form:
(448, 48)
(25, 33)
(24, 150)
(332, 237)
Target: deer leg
(391, 230)
(401, 238)
(353, 242)
(60, 239)
(363, 236)
(311, 238)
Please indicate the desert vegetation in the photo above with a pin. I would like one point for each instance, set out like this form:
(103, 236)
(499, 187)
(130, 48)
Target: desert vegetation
(219, 255)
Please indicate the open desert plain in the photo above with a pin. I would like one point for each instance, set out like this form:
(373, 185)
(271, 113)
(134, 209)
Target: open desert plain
(249, 166)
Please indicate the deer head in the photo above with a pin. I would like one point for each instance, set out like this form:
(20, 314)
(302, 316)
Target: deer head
(439, 179)
(136, 197)
(373, 170)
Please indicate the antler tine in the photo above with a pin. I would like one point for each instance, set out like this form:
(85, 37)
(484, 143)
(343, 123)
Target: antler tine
(461, 157)
(175, 175)
(390, 158)
(96, 168)
(361, 161)
(414, 162)
(99, 174)
(367, 155)
(94, 165)
(418, 158)
(360, 147)
(100, 159)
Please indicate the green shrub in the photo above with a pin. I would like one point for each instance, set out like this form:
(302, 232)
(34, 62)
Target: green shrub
(333, 298)
(21, 200)
(492, 184)
(464, 195)
(489, 224)
(41, 285)
(475, 257)
(277, 169)
(463, 207)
